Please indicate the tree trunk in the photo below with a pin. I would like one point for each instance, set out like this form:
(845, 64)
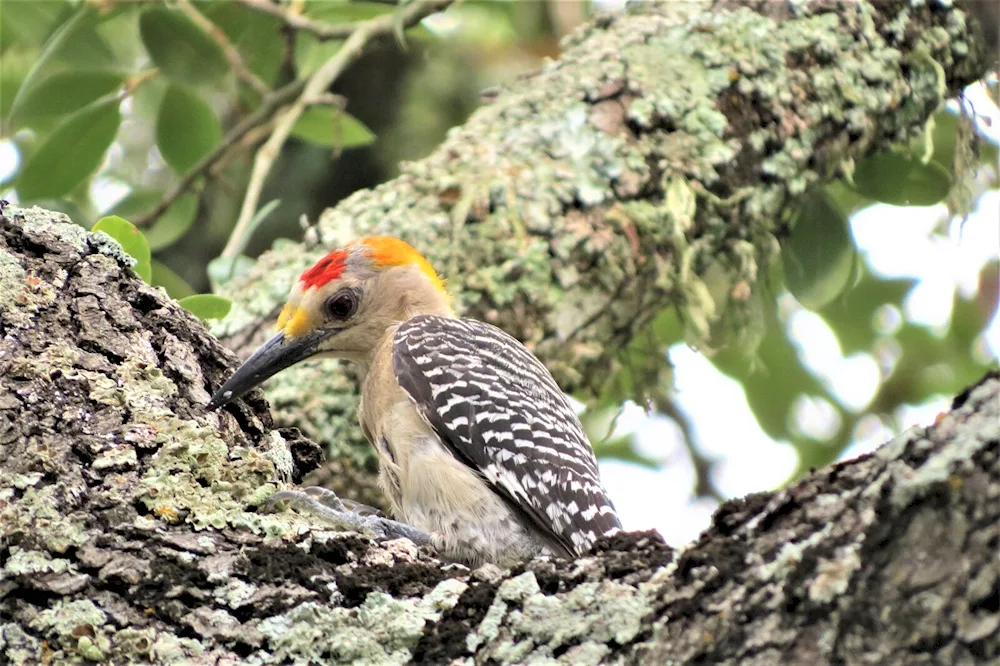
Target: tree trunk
(131, 532)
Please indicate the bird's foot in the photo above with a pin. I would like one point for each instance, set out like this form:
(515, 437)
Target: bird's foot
(347, 515)
(325, 497)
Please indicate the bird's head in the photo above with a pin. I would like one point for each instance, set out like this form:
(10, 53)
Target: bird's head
(342, 307)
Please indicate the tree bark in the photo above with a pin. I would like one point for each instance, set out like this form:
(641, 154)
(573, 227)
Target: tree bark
(656, 164)
(131, 531)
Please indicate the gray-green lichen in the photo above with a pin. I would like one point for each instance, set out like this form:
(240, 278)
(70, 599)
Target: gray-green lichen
(381, 632)
(590, 617)
(40, 220)
(22, 294)
(77, 627)
(17, 645)
(107, 245)
(947, 465)
(194, 475)
(85, 377)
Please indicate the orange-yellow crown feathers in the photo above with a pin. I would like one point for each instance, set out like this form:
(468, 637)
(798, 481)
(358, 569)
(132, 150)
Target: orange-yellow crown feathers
(383, 251)
(387, 251)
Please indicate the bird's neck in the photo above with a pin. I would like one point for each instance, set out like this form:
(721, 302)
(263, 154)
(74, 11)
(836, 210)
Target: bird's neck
(383, 346)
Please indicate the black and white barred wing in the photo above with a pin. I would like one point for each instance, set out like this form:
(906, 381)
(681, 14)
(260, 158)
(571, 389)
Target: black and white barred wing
(500, 412)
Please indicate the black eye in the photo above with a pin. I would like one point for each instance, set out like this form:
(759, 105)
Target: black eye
(342, 305)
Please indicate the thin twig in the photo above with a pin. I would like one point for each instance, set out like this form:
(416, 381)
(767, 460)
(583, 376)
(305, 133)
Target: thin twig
(268, 107)
(135, 81)
(704, 485)
(252, 138)
(317, 86)
(320, 31)
(228, 48)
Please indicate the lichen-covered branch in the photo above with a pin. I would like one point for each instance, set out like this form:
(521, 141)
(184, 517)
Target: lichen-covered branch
(655, 164)
(130, 530)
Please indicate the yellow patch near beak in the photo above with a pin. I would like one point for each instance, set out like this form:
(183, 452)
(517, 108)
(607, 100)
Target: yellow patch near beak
(294, 321)
(286, 314)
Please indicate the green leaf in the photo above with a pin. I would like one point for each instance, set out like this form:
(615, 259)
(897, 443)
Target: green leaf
(257, 36)
(325, 126)
(179, 48)
(170, 226)
(175, 221)
(17, 62)
(819, 259)
(845, 198)
(63, 93)
(852, 317)
(84, 47)
(186, 128)
(207, 306)
(311, 53)
(176, 286)
(944, 136)
(29, 23)
(131, 240)
(901, 180)
(77, 42)
(72, 152)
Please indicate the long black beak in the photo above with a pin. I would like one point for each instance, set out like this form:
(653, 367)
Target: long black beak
(274, 356)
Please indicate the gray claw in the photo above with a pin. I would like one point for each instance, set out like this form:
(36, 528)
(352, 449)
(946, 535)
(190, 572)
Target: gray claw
(324, 496)
(346, 514)
(361, 509)
(329, 498)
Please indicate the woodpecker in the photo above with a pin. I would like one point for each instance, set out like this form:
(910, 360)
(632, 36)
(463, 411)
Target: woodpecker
(480, 453)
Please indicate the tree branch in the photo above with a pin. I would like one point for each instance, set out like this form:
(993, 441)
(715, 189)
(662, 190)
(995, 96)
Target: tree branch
(321, 31)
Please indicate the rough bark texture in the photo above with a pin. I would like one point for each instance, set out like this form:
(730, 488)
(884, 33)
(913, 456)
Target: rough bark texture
(654, 165)
(130, 532)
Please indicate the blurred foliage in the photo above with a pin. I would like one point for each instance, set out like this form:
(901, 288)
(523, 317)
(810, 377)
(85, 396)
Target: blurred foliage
(135, 244)
(207, 306)
(109, 105)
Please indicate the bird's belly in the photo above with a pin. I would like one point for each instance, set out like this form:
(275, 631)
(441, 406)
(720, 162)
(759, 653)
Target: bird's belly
(440, 489)
(470, 521)
(430, 489)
